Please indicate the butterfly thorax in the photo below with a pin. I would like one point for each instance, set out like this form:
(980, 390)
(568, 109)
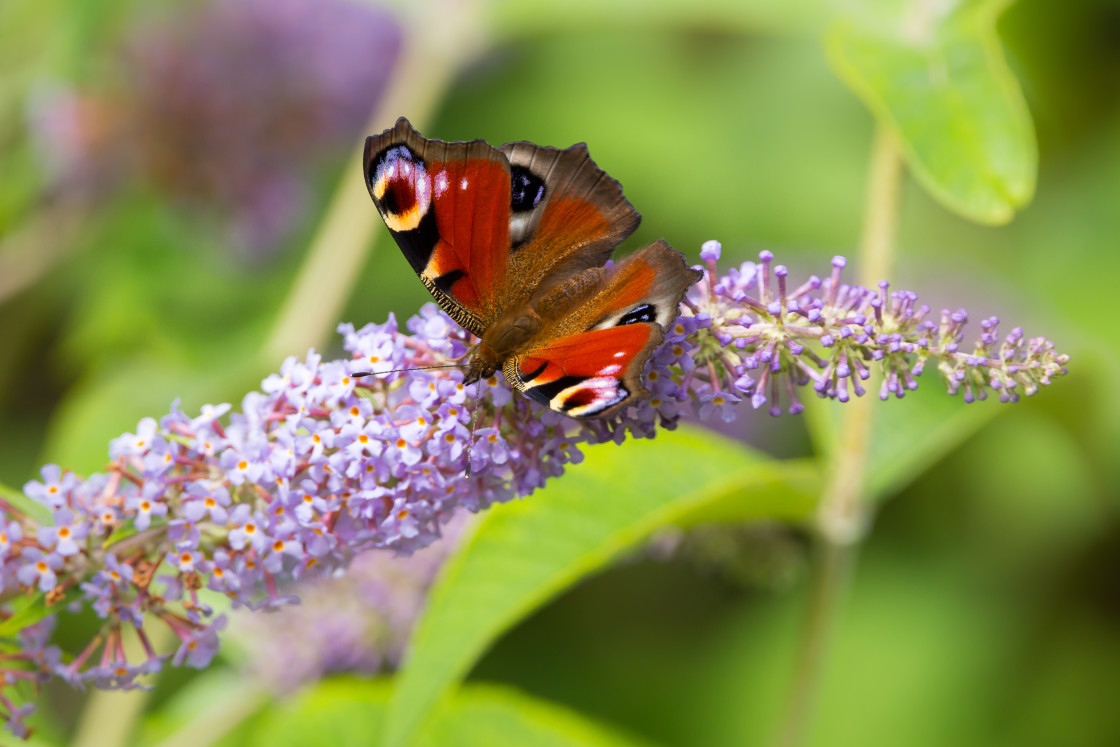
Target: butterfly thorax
(503, 339)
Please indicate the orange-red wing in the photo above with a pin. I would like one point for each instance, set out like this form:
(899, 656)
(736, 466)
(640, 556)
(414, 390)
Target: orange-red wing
(447, 205)
(590, 374)
(647, 286)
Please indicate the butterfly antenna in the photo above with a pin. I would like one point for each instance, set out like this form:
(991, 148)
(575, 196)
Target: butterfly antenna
(360, 374)
(474, 422)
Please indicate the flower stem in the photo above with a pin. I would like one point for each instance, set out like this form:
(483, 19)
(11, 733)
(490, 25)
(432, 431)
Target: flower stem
(110, 717)
(880, 217)
(844, 513)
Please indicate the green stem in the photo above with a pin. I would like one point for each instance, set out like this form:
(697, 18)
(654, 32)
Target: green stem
(880, 218)
(844, 513)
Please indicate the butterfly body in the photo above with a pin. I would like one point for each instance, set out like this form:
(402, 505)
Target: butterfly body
(512, 243)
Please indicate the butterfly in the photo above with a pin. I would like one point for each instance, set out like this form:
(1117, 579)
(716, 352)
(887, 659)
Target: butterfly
(512, 242)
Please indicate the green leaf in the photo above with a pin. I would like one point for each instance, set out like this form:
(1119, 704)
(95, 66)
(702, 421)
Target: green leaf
(793, 17)
(942, 86)
(908, 436)
(126, 530)
(524, 553)
(26, 506)
(351, 712)
(486, 715)
(209, 709)
(28, 610)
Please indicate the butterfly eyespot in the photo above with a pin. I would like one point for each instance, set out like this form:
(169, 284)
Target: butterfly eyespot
(402, 188)
(644, 313)
(526, 189)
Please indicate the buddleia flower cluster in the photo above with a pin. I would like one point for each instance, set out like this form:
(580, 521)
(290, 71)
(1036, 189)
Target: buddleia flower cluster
(752, 334)
(197, 513)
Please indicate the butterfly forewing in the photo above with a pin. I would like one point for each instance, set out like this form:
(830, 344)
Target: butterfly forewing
(447, 207)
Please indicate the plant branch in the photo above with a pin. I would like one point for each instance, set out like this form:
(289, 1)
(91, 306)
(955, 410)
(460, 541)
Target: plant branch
(844, 514)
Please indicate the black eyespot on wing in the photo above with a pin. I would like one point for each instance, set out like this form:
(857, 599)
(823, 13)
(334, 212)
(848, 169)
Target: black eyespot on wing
(585, 397)
(401, 188)
(526, 189)
(644, 313)
(579, 398)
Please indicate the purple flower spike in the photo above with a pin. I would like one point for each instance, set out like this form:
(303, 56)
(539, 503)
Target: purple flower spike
(710, 251)
(848, 329)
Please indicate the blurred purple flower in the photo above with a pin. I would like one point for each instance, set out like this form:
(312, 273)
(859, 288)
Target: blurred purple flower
(226, 106)
(358, 622)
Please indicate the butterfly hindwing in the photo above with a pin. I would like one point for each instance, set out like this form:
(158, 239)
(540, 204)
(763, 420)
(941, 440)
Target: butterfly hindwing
(588, 362)
(589, 374)
(447, 205)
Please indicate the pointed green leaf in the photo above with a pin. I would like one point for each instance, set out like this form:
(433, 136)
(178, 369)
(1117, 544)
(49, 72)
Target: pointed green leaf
(526, 552)
(937, 78)
(908, 436)
(351, 712)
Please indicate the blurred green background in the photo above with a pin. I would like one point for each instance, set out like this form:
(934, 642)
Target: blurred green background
(986, 606)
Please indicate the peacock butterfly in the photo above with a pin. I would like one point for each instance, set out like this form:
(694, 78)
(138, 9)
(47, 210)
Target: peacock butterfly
(512, 243)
